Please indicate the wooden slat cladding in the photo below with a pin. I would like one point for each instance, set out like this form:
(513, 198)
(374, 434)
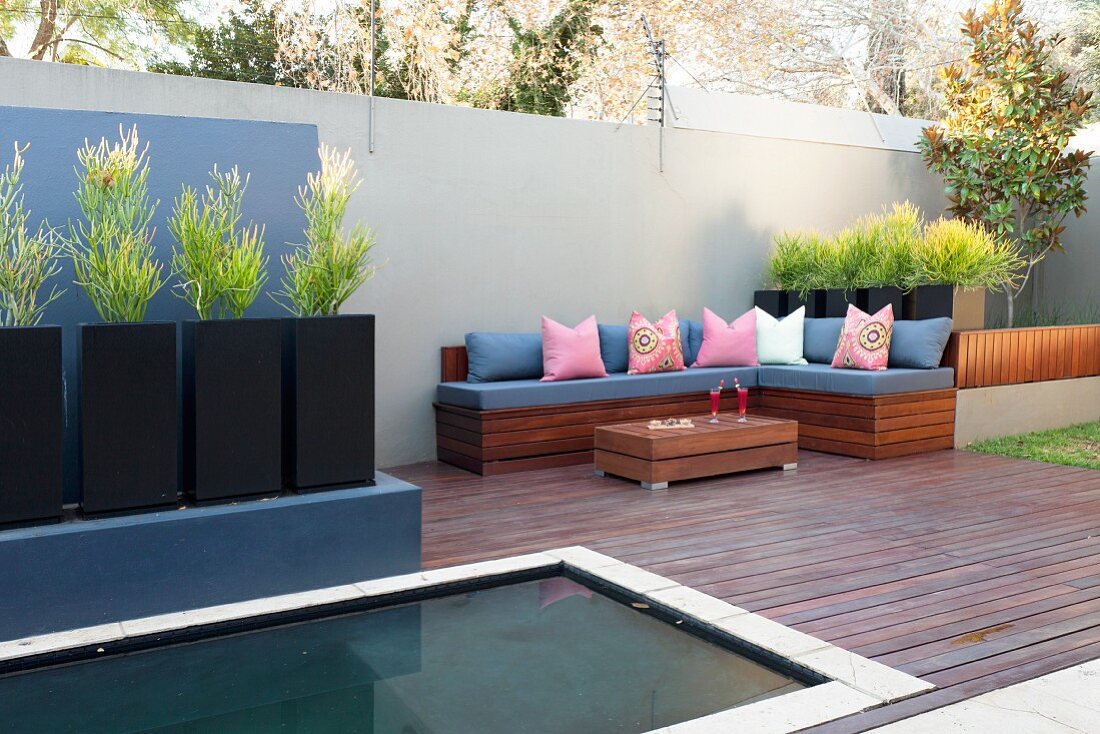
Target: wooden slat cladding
(494, 442)
(867, 427)
(454, 366)
(876, 427)
(1014, 356)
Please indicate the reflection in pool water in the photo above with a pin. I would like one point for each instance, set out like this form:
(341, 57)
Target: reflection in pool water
(538, 656)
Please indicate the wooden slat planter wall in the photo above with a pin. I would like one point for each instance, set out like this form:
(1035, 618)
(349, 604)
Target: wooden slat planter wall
(1013, 356)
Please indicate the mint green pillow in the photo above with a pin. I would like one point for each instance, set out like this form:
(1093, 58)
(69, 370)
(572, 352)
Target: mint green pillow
(779, 341)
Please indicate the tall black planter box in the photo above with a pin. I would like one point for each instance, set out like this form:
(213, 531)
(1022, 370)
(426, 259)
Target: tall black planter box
(872, 300)
(931, 302)
(772, 302)
(328, 408)
(232, 408)
(778, 303)
(32, 419)
(827, 303)
(128, 416)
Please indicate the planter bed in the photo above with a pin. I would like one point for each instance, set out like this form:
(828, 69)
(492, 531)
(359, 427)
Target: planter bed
(992, 357)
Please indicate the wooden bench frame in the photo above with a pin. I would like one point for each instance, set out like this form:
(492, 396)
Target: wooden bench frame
(491, 442)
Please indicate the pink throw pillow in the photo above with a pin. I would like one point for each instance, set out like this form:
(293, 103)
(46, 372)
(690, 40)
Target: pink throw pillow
(728, 345)
(571, 354)
(865, 340)
(655, 347)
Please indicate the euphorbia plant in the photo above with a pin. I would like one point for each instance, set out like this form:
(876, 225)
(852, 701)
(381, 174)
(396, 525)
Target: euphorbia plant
(220, 265)
(112, 246)
(27, 258)
(1002, 149)
(324, 272)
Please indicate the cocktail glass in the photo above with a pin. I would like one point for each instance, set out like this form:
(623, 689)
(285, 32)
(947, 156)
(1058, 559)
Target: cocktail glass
(742, 404)
(715, 395)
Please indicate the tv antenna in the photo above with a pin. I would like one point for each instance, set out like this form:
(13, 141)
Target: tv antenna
(655, 92)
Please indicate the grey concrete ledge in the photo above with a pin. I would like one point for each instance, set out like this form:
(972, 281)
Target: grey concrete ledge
(856, 683)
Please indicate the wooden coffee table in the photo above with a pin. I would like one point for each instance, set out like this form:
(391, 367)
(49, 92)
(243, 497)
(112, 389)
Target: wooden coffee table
(657, 457)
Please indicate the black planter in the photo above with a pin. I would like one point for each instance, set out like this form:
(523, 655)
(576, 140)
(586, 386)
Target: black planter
(827, 303)
(32, 417)
(778, 303)
(772, 302)
(232, 408)
(328, 408)
(871, 300)
(128, 417)
(930, 302)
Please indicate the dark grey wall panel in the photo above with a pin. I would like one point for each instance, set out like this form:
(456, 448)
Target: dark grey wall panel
(81, 574)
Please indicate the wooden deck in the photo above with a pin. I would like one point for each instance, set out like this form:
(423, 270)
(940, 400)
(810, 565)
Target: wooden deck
(971, 571)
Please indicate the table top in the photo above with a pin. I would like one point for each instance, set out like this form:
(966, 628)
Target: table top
(637, 439)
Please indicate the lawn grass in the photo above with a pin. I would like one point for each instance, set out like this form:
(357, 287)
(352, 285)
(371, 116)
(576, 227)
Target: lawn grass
(1074, 446)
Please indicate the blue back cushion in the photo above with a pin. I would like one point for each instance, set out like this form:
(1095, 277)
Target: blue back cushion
(691, 338)
(614, 348)
(819, 339)
(919, 344)
(496, 357)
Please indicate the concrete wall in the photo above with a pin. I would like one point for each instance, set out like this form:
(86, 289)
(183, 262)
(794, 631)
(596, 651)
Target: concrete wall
(1008, 410)
(744, 114)
(487, 220)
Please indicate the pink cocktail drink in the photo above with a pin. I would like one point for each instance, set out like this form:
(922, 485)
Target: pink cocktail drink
(742, 404)
(715, 397)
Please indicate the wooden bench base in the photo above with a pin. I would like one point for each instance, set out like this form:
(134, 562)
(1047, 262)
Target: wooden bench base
(491, 442)
(867, 427)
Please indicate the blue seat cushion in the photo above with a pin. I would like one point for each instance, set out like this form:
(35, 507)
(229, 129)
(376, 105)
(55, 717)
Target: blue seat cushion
(532, 393)
(820, 337)
(496, 357)
(614, 347)
(919, 344)
(823, 378)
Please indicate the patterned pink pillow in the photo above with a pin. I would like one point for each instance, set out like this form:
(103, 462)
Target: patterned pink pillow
(728, 345)
(655, 347)
(571, 354)
(865, 340)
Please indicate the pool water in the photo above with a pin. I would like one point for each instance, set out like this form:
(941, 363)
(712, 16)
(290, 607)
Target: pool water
(537, 656)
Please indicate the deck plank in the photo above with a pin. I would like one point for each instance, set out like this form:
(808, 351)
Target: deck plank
(973, 571)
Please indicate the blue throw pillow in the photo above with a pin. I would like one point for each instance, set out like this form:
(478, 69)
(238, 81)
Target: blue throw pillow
(919, 344)
(691, 339)
(496, 357)
(614, 347)
(819, 339)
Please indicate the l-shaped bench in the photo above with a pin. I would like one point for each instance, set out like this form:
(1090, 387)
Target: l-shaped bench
(516, 425)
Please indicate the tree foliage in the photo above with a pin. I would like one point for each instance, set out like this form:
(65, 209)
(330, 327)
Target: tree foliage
(548, 60)
(125, 31)
(241, 47)
(1002, 148)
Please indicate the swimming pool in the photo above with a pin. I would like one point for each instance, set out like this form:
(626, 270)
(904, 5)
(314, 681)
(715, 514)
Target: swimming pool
(547, 646)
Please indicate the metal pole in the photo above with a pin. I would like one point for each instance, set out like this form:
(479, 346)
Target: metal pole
(370, 110)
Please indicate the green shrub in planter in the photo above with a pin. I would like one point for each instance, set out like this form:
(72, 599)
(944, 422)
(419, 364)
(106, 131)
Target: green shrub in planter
(128, 382)
(232, 367)
(221, 266)
(329, 358)
(31, 386)
(324, 272)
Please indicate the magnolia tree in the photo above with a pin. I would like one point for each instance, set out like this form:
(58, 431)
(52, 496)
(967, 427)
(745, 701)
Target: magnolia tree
(1003, 147)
